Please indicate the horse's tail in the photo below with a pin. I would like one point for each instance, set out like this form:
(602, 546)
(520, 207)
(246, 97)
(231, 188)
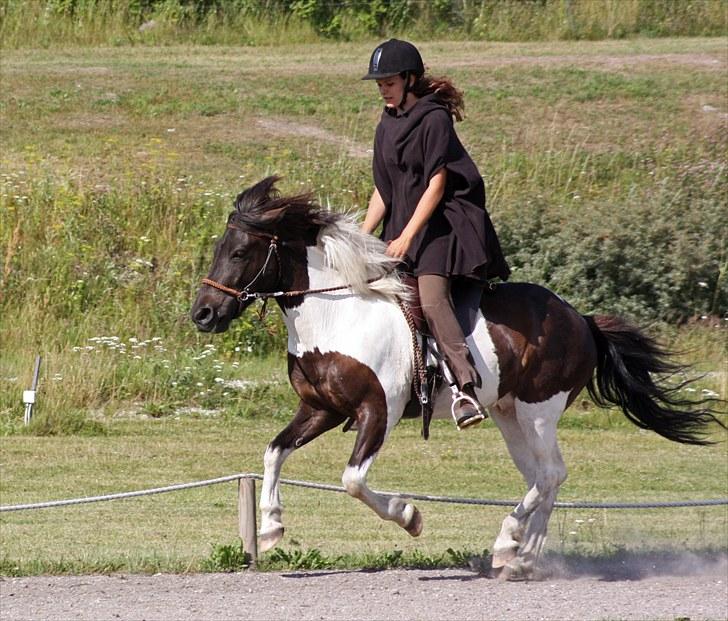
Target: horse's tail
(626, 360)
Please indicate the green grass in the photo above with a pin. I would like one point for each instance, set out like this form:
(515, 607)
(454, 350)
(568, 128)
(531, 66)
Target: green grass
(182, 530)
(50, 23)
(606, 180)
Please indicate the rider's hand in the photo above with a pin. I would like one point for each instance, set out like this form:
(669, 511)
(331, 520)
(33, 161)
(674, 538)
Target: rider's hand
(398, 248)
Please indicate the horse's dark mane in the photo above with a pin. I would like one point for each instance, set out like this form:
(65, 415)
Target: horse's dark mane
(262, 207)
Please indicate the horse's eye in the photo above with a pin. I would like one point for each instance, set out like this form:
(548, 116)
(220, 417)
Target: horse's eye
(238, 254)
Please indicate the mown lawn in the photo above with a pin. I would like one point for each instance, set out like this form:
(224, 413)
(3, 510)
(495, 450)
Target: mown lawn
(177, 531)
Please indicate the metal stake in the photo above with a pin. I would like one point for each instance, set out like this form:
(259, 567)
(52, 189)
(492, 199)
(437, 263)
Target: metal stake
(29, 395)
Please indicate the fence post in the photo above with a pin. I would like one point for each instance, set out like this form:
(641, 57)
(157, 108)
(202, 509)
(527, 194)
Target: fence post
(247, 526)
(29, 395)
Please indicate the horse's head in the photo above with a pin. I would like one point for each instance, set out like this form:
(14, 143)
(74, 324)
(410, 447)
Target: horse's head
(263, 249)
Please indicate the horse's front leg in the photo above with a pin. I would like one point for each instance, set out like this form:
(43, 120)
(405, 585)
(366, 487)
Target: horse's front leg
(372, 422)
(307, 424)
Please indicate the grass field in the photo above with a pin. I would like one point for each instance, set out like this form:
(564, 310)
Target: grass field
(54, 23)
(606, 173)
(179, 531)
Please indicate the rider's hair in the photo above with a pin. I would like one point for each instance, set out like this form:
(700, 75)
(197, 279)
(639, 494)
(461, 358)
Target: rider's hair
(445, 91)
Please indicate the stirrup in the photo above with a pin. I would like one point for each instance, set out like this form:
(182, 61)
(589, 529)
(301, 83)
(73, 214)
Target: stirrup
(466, 421)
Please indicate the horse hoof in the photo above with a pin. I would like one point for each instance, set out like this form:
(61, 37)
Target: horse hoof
(503, 557)
(270, 539)
(500, 573)
(414, 527)
(516, 571)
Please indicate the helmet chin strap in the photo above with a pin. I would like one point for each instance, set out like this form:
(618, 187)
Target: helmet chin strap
(406, 90)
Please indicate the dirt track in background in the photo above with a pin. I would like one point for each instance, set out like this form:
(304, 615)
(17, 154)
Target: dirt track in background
(694, 588)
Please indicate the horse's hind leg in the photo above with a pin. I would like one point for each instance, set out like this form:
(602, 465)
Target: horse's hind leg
(513, 526)
(370, 437)
(530, 433)
(307, 424)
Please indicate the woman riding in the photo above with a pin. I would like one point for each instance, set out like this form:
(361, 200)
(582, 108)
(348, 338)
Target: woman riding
(431, 199)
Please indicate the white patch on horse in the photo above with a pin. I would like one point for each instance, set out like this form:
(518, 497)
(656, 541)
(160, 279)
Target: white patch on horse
(270, 500)
(482, 348)
(365, 324)
(387, 507)
(529, 430)
(354, 477)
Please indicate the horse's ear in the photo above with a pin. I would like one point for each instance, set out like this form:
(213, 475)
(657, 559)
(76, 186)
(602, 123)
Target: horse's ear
(257, 195)
(273, 215)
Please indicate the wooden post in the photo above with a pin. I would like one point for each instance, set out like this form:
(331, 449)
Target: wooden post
(247, 526)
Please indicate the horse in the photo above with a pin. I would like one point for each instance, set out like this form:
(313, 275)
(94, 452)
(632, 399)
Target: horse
(352, 359)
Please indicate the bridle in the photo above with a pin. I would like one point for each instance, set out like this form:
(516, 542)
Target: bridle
(245, 294)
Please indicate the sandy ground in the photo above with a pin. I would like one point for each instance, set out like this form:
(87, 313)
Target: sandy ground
(694, 590)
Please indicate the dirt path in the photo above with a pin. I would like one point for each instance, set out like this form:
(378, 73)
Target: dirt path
(398, 594)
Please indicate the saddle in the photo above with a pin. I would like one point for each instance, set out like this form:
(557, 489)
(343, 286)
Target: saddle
(466, 297)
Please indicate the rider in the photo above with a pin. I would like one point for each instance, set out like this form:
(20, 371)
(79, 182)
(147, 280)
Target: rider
(431, 199)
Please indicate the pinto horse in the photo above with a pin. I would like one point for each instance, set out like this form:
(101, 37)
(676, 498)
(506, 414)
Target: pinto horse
(351, 360)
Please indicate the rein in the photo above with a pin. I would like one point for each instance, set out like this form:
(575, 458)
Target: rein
(244, 295)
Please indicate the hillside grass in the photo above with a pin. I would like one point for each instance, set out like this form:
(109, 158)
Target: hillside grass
(604, 162)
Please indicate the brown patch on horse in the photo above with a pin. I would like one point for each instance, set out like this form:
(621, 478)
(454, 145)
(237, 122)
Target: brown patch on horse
(308, 423)
(338, 383)
(543, 345)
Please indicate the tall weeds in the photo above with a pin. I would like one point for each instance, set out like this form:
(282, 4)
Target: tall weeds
(116, 183)
(42, 23)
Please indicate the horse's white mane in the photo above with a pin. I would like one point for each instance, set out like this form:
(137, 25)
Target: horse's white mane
(359, 258)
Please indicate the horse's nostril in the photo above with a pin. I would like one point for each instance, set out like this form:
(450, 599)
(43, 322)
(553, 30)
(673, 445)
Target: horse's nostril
(204, 316)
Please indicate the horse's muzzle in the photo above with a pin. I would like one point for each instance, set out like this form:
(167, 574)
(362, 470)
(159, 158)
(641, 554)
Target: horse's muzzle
(205, 318)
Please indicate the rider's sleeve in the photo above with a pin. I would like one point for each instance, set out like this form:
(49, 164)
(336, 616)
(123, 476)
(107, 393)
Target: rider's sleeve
(437, 135)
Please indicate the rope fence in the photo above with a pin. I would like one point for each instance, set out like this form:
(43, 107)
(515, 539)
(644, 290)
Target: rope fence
(247, 504)
(335, 488)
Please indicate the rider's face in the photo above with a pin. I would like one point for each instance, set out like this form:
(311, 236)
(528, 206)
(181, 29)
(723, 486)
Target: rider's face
(391, 90)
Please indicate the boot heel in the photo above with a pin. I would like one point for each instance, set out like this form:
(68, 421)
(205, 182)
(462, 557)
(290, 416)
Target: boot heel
(469, 421)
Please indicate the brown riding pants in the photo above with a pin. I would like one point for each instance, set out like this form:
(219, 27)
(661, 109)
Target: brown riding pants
(437, 307)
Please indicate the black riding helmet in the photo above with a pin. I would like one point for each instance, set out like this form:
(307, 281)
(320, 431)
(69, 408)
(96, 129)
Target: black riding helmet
(395, 57)
(392, 58)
